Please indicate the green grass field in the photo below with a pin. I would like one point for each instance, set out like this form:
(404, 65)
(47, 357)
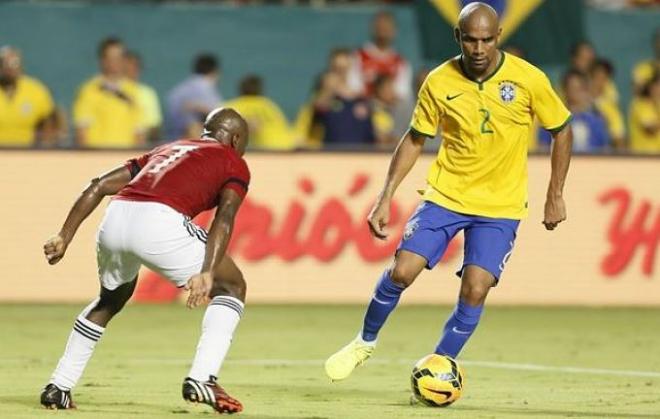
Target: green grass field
(517, 363)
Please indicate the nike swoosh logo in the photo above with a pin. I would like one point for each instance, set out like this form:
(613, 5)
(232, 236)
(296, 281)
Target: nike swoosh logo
(453, 97)
(444, 393)
(460, 332)
(380, 302)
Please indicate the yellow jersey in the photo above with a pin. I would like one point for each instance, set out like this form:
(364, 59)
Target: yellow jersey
(481, 166)
(308, 133)
(148, 100)
(21, 113)
(644, 112)
(613, 117)
(269, 128)
(112, 116)
(382, 122)
(643, 72)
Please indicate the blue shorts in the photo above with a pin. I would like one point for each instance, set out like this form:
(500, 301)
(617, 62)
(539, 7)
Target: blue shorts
(488, 241)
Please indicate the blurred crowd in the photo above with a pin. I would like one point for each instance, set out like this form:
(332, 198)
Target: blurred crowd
(598, 122)
(364, 97)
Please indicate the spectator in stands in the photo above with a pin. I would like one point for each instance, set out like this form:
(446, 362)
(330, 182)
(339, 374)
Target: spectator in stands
(307, 131)
(384, 103)
(344, 113)
(644, 118)
(379, 58)
(404, 107)
(644, 71)
(269, 128)
(106, 113)
(190, 101)
(27, 112)
(147, 97)
(589, 128)
(583, 56)
(603, 90)
(606, 99)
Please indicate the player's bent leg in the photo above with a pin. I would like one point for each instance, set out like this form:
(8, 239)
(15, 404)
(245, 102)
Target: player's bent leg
(220, 321)
(393, 282)
(476, 282)
(87, 331)
(403, 272)
(110, 303)
(230, 281)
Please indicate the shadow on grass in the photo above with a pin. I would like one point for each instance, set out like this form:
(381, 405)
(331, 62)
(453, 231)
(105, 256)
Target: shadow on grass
(29, 407)
(561, 413)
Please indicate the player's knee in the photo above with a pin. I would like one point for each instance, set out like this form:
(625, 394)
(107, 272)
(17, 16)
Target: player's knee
(474, 294)
(234, 286)
(402, 274)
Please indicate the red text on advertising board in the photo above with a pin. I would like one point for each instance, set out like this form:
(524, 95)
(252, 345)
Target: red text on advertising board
(632, 228)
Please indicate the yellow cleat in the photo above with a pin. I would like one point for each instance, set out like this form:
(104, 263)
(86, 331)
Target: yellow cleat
(342, 363)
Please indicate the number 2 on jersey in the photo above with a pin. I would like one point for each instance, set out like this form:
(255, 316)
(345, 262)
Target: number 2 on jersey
(485, 129)
(180, 150)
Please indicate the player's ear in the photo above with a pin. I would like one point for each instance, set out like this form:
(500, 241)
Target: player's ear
(457, 35)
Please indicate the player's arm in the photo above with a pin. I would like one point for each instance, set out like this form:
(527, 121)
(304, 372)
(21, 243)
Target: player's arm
(555, 208)
(107, 184)
(216, 246)
(405, 155)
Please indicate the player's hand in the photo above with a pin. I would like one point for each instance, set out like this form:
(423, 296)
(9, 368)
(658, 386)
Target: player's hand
(555, 212)
(378, 219)
(54, 249)
(199, 286)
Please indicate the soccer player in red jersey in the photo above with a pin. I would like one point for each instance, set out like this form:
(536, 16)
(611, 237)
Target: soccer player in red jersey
(148, 222)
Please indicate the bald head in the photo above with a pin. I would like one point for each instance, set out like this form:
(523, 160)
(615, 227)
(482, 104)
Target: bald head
(478, 13)
(477, 33)
(227, 127)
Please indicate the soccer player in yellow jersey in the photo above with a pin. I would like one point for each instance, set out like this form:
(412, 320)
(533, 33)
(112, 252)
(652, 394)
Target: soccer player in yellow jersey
(484, 101)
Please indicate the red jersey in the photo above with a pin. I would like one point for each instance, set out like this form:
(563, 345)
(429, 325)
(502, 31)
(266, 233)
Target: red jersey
(186, 175)
(372, 62)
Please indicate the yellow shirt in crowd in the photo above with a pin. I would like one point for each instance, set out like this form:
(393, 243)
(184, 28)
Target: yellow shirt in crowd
(608, 105)
(613, 118)
(111, 117)
(644, 112)
(148, 100)
(382, 122)
(481, 167)
(269, 128)
(20, 113)
(643, 71)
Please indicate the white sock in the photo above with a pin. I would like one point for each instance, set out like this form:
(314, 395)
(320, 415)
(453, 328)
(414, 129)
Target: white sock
(220, 320)
(365, 342)
(79, 349)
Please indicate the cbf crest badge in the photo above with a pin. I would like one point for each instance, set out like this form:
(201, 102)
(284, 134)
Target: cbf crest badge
(410, 229)
(507, 91)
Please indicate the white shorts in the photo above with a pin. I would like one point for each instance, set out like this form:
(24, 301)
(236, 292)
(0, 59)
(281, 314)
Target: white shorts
(147, 233)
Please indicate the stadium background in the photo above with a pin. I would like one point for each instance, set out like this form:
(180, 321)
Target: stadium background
(601, 267)
(267, 39)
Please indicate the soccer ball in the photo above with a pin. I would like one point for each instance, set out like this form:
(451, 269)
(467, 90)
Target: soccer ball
(437, 380)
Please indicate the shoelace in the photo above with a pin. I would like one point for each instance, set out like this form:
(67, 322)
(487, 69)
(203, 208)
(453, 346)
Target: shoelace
(363, 353)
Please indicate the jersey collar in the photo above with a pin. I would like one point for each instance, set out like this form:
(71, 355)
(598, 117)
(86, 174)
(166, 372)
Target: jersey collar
(481, 83)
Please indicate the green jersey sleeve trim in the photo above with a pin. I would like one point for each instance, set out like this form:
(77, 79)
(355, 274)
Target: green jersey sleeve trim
(562, 126)
(420, 133)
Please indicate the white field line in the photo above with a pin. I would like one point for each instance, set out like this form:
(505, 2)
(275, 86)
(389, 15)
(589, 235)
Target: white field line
(319, 362)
